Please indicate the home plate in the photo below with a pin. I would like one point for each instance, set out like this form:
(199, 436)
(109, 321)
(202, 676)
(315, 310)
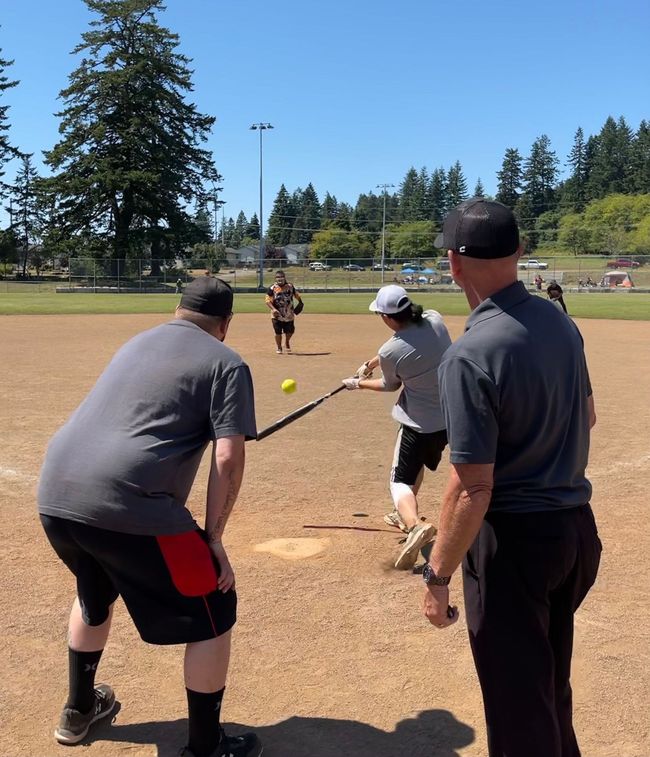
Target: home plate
(292, 549)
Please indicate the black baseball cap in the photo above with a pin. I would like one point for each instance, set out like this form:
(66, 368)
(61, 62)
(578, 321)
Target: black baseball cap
(208, 295)
(480, 228)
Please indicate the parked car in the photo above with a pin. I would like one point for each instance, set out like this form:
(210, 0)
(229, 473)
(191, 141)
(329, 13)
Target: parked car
(353, 267)
(317, 266)
(623, 263)
(379, 267)
(413, 266)
(532, 264)
(444, 264)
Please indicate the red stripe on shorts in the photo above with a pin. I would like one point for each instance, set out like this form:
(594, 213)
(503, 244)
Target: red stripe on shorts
(190, 563)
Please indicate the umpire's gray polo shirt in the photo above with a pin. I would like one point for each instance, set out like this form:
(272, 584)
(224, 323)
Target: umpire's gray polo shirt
(410, 359)
(127, 457)
(514, 392)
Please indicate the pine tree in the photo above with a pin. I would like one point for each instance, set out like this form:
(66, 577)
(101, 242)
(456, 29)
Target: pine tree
(27, 208)
(456, 189)
(253, 229)
(282, 219)
(130, 159)
(539, 177)
(438, 195)
(510, 178)
(640, 160)
(7, 151)
(611, 158)
(308, 218)
(478, 189)
(574, 189)
(412, 195)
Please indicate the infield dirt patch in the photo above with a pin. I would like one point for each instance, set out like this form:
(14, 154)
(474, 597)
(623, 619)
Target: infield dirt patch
(332, 656)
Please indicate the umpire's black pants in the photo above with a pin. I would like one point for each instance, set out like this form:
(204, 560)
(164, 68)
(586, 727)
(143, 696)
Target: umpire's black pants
(524, 577)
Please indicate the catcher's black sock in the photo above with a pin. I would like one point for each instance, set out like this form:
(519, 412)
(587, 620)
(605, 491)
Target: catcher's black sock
(82, 667)
(204, 729)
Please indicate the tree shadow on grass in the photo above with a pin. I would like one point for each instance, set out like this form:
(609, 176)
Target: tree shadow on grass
(432, 733)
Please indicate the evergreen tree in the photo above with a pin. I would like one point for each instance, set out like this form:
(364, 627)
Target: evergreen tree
(252, 231)
(540, 174)
(130, 159)
(203, 222)
(368, 214)
(438, 196)
(413, 195)
(456, 189)
(611, 158)
(7, 152)
(478, 189)
(28, 215)
(308, 218)
(329, 208)
(574, 189)
(282, 219)
(640, 160)
(510, 178)
(240, 228)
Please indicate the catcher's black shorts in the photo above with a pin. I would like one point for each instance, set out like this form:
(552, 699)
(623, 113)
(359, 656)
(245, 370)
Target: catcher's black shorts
(413, 451)
(283, 327)
(168, 583)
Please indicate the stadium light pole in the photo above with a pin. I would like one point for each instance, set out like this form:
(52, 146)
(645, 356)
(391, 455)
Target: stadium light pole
(261, 127)
(383, 230)
(217, 204)
(223, 225)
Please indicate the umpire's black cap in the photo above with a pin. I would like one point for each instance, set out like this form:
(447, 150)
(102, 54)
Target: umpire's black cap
(479, 228)
(208, 295)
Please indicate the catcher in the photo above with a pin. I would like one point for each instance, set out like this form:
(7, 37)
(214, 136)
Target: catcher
(409, 360)
(279, 299)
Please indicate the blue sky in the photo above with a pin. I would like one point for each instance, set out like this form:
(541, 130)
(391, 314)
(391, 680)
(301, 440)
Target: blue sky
(361, 90)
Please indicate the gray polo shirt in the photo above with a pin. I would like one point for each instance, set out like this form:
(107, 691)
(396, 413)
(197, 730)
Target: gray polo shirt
(515, 391)
(410, 359)
(127, 457)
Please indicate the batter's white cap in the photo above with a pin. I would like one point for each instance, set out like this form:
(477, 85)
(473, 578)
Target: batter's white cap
(390, 300)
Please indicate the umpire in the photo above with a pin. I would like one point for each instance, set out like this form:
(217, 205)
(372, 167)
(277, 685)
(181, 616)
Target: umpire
(112, 496)
(516, 507)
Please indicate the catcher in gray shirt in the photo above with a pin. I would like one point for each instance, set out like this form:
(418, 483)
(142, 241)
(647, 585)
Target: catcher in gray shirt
(409, 360)
(112, 496)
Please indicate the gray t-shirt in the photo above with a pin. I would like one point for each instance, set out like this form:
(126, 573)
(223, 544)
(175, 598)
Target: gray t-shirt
(410, 358)
(515, 391)
(127, 457)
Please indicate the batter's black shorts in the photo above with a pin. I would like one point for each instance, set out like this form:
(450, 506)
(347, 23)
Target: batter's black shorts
(413, 451)
(283, 327)
(168, 583)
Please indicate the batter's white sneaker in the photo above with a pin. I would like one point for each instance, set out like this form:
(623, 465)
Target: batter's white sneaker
(395, 519)
(74, 725)
(417, 537)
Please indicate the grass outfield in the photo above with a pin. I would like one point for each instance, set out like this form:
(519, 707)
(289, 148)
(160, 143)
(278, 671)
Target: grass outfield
(610, 305)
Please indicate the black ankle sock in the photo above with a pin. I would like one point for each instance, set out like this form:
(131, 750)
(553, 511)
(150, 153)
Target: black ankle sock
(81, 670)
(204, 729)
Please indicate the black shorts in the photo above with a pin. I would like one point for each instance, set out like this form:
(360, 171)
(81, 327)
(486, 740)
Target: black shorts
(413, 451)
(168, 583)
(283, 327)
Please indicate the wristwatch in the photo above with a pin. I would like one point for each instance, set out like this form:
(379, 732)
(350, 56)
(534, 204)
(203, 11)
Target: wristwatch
(431, 579)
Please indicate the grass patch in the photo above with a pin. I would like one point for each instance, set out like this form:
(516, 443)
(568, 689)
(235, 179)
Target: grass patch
(606, 305)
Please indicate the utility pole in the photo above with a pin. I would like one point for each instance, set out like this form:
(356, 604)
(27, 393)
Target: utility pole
(261, 127)
(383, 230)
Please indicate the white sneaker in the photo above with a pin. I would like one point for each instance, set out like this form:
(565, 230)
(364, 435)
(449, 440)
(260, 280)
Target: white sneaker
(395, 519)
(418, 536)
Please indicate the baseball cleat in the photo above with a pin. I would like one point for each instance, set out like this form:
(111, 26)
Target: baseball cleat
(418, 536)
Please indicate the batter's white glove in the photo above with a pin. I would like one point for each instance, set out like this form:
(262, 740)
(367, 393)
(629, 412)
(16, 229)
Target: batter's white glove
(363, 371)
(351, 383)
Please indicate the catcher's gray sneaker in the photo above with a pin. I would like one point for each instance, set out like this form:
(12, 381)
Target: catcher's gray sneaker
(74, 725)
(417, 537)
(395, 519)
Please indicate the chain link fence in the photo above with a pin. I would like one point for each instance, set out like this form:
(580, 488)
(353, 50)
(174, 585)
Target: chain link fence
(587, 273)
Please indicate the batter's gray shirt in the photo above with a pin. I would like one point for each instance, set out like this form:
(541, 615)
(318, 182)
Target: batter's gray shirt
(410, 358)
(514, 392)
(127, 457)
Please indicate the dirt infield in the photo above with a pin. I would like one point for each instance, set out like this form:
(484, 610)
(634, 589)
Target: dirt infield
(332, 656)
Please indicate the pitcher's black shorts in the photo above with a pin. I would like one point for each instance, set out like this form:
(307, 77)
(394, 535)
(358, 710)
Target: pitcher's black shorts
(413, 451)
(283, 327)
(168, 583)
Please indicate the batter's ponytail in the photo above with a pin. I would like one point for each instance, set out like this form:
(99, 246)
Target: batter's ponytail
(412, 314)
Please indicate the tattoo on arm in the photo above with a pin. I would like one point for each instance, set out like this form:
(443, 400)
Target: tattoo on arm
(220, 524)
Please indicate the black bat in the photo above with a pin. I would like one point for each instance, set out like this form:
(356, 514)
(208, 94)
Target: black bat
(287, 419)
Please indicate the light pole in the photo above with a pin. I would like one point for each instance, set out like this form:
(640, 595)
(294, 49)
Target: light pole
(383, 230)
(223, 225)
(217, 205)
(261, 127)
